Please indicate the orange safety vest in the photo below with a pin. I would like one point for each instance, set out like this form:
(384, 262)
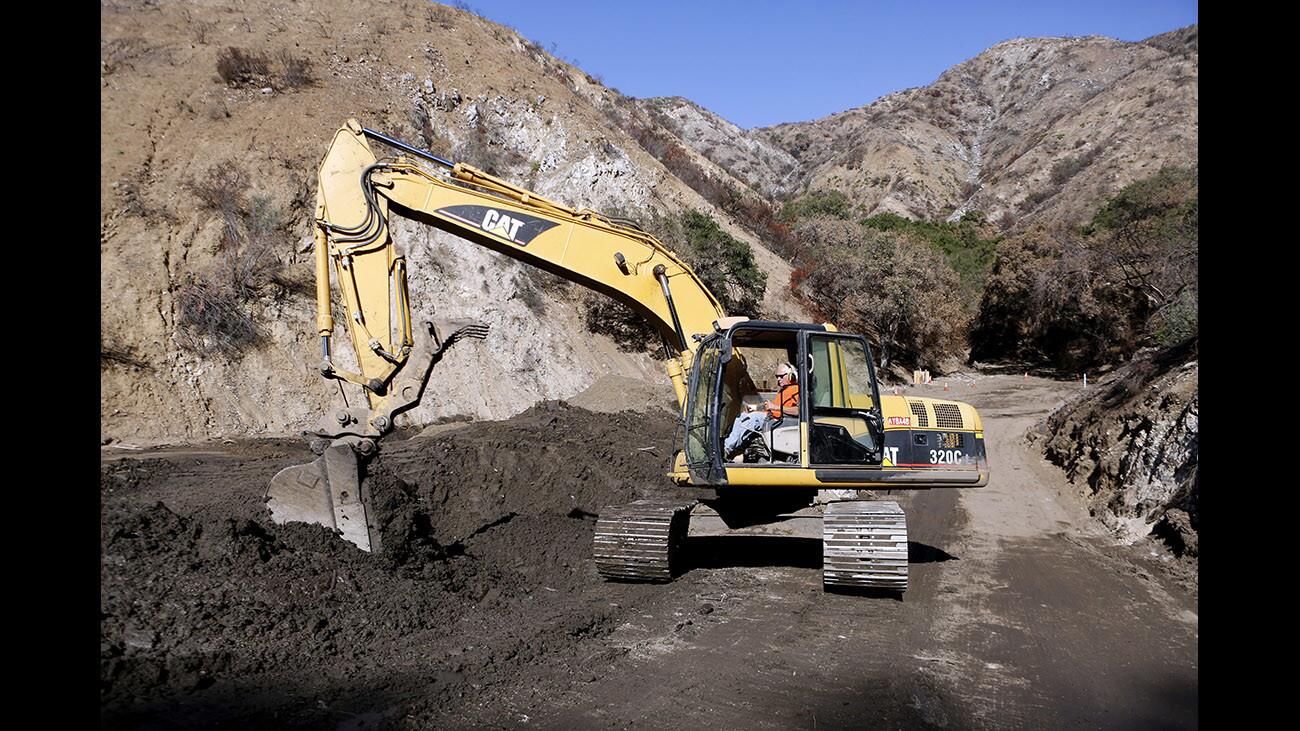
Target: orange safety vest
(788, 397)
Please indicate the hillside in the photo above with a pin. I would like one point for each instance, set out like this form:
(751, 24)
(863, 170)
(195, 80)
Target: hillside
(1030, 130)
(763, 166)
(427, 73)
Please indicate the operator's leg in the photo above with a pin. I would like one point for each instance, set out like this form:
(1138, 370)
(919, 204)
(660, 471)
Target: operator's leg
(744, 422)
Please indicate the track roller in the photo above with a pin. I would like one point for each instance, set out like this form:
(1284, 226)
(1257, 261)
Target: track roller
(639, 541)
(864, 544)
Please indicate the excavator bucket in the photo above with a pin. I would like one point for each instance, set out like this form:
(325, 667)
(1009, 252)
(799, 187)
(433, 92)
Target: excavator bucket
(326, 492)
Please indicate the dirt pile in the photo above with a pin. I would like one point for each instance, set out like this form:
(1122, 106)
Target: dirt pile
(211, 614)
(615, 393)
(1134, 444)
(554, 459)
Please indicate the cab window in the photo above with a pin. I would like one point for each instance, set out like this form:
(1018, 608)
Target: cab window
(845, 426)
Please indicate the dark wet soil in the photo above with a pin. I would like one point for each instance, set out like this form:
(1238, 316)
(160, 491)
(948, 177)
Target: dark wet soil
(212, 614)
(486, 611)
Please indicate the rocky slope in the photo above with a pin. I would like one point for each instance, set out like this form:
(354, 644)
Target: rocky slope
(1029, 130)
(1132, 445)
(428, 73)
(763, 166)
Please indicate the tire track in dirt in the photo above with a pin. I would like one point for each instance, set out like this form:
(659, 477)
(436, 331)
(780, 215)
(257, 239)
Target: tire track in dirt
(779, 651)
(1055, 624)
(1020, 614)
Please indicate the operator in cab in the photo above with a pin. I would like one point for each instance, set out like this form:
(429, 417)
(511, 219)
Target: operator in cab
(786, 404)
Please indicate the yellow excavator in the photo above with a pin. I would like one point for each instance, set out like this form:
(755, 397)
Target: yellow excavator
(795, 473)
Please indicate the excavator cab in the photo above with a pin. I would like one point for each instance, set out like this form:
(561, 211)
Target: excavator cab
(845, 437)
(839, 421)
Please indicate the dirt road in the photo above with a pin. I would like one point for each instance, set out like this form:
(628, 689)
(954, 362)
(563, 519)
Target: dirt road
(1020, 613)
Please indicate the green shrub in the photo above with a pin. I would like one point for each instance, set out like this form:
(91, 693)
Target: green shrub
(831, 203)
(1038, 196)
(968, 245)
(240, 67)
(607, 316)
(295, 71)
(215, 306)
(725, 264)
(214, 318)
(1178, 321)
(1064, 170)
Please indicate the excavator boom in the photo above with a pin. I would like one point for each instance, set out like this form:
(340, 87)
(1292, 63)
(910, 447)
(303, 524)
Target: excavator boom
(581, 246)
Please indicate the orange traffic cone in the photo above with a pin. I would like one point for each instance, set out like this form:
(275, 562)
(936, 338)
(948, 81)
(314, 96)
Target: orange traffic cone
(945, 385)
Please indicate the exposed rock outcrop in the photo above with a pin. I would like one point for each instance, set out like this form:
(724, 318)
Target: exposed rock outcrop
(1132, 445)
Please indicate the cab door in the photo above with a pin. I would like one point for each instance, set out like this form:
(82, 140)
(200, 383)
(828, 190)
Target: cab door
(842, 401)
(704, 391)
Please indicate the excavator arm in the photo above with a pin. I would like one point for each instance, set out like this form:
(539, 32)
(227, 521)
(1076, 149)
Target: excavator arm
(582, 246)
(356, 193)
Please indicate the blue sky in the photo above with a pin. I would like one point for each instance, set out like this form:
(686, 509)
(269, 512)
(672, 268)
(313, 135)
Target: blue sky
(761, 62)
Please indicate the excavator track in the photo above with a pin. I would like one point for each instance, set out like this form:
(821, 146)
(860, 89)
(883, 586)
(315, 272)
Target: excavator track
(639, 541)
(864, 545)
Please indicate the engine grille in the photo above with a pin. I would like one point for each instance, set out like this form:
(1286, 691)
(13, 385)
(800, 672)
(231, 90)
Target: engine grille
(948, 416)
(918, 410)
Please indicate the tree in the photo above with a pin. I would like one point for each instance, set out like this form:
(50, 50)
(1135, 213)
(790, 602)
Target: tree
(724, 263)
(885, 284)
(1147, 239)
(1078, 298)
(1003, 326)
(830, 203)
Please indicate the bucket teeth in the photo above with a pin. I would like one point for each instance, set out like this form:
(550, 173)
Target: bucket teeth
(460, 330)
(477, 330)
(639, 541)
(864, 544)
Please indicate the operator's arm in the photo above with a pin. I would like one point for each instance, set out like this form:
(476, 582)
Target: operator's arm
(790, 410)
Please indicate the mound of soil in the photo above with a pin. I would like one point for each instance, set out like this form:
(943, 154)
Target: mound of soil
(612, 393)
(211, 614)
